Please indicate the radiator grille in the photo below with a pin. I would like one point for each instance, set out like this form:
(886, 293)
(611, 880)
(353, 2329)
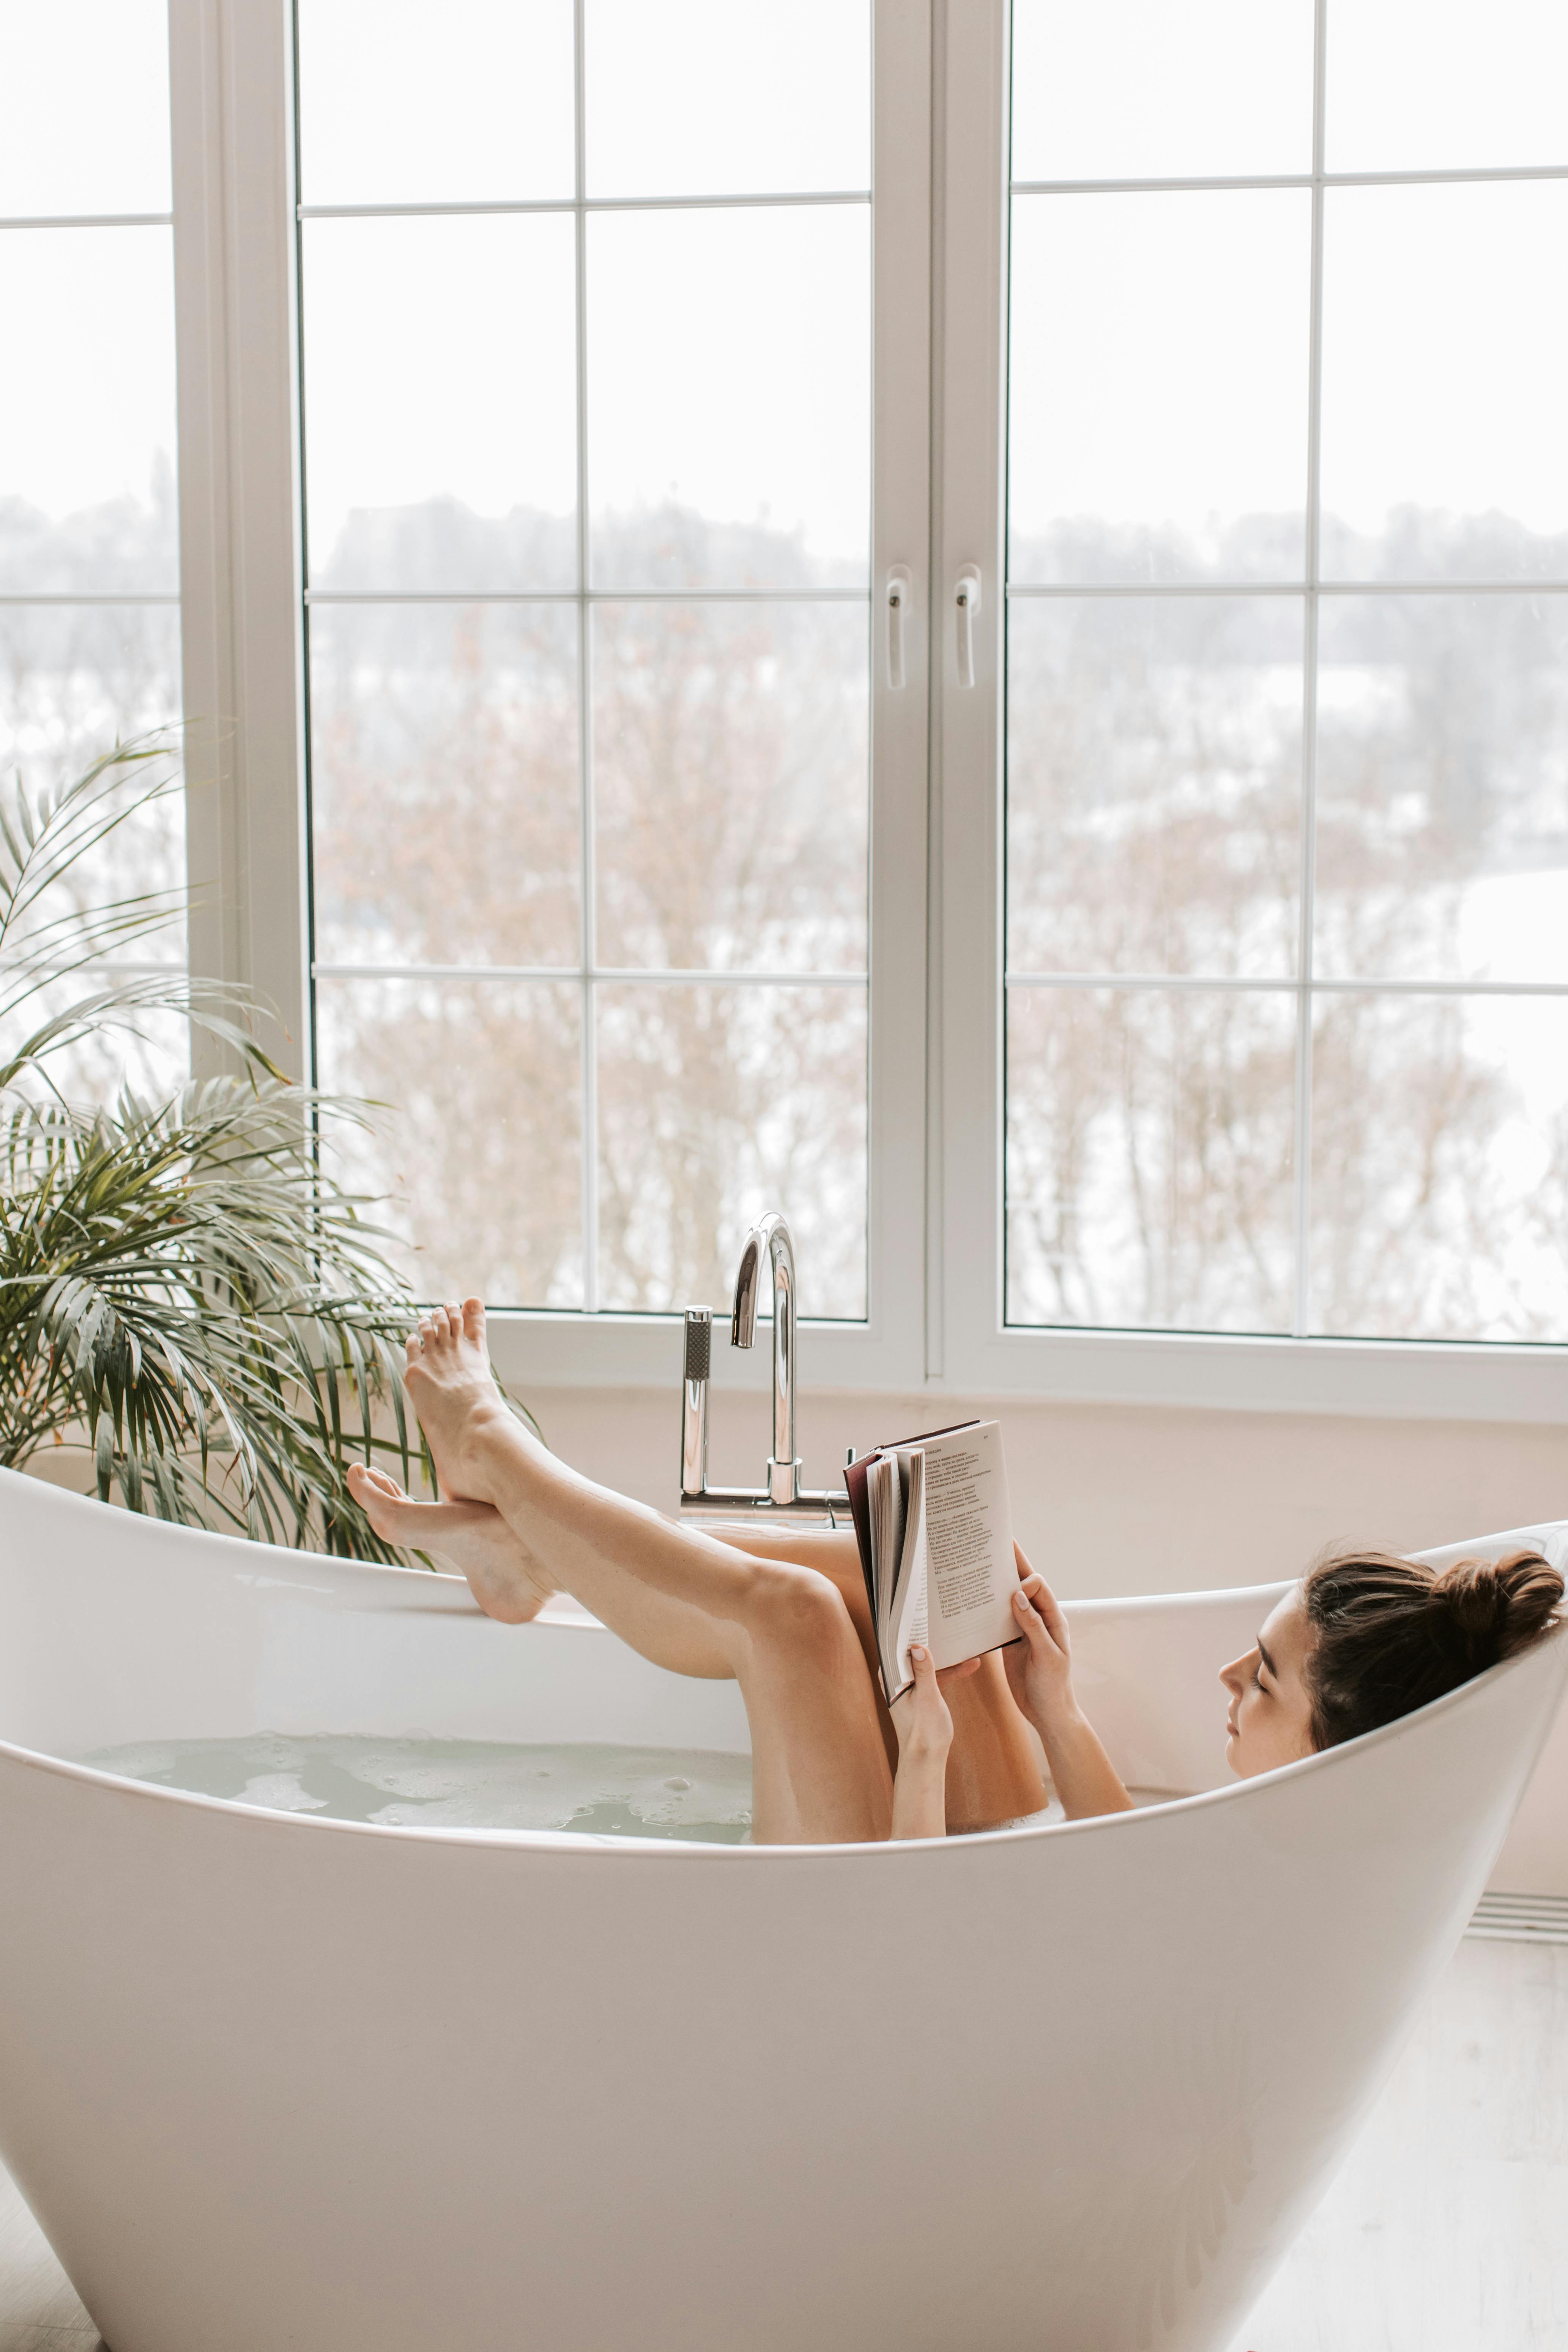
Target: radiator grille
(1521, 1918)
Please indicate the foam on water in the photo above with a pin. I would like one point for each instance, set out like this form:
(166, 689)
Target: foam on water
(650, 1793)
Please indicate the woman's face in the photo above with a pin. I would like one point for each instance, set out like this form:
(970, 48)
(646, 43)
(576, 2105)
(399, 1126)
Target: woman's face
(1270, 1719)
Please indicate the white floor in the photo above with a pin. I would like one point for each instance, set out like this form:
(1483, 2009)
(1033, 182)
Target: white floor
(1447, 2232)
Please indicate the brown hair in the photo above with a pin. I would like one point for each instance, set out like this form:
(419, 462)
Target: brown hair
(1390, 1634)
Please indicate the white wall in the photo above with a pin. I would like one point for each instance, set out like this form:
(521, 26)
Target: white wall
(1117, 1499)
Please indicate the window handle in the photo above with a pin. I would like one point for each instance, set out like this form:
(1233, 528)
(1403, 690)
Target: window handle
(899, 588)
(966, 599)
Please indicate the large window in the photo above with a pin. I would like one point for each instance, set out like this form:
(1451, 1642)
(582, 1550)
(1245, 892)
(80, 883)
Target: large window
(1286, 669)
(587, 343)
(89, 567)
(950, 616)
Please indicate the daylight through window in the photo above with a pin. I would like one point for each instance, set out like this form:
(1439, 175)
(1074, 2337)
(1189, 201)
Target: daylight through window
(586, 328)
(1286, 768)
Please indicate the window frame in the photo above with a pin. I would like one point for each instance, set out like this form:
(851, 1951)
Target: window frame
(935, 1319)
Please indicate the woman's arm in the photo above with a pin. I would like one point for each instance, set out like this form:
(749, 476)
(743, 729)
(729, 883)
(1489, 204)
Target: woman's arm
(1039, 1674)
(924, 1727)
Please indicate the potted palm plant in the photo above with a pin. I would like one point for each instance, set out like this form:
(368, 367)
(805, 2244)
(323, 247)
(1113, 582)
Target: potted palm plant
(185, 1290)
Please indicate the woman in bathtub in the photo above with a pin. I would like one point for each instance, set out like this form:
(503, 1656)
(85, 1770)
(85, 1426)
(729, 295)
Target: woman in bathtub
(1360, 1642)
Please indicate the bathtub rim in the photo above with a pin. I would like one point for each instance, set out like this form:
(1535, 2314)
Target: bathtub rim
(691, 1849)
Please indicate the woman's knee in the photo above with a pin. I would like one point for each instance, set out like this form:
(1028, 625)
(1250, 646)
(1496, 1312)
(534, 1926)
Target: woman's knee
(801, 1611)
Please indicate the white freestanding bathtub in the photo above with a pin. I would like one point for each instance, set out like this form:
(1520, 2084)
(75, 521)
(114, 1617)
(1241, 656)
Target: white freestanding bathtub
(271, 2082)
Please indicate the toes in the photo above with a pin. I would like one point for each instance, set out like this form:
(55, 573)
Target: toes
(411, 1347)
(474, 1320)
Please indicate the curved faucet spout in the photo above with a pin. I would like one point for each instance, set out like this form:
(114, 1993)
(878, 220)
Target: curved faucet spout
(770, 1233)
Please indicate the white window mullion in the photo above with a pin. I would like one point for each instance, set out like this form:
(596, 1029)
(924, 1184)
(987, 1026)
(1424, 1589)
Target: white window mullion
(1302, 1315)
(890, 1351)
(588, 883)
(971, 249)
(232, 118)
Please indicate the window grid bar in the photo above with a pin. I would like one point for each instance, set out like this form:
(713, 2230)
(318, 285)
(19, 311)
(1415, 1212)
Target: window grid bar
(1316, 178)
(1317, 986)
(593, 975)
(1302, 1206)
(578, 204)
(87, 596)
(587, 880)
(88, 220)
(571, 595)
(1289, 588)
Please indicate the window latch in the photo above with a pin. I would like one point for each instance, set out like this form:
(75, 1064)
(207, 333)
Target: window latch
(967, 598)
(899, 588)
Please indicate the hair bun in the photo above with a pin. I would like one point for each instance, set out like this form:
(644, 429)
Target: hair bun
(1495, 1607)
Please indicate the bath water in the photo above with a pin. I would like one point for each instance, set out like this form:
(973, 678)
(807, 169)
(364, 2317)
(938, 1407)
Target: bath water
(643, 1792)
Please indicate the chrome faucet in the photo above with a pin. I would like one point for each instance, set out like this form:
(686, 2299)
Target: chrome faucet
(784, 1491)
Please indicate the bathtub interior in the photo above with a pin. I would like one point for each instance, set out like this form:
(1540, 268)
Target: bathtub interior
(120, 1630)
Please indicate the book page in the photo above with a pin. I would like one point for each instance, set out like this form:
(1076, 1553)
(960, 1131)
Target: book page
(971, 1575)
(910, 1607)
(886, 1490)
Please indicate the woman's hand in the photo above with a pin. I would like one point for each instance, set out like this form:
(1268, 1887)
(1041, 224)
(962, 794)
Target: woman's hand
(1040, 1676)
(925, 1734)
(1039, 1668)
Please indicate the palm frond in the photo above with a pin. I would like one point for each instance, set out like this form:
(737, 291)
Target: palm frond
(182, 1281)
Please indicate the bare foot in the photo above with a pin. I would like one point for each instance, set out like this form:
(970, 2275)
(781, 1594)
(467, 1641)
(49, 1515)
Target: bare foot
(453, 1391)
(472, 1536)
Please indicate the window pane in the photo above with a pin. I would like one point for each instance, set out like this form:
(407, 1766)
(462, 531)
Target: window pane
(87, 413)
(1445, 360)
(715, 1105)
(1440, 1167)
(1158, 393)
(443, 800)
(440, 371)
(1153, 784)
(728, 97)
(1149, 1158)
(1437, 84)
(1140, 89)
(728, 378)
(1443, 788)
(87, 110)
(469, 103)
(730, 786)
(73, 678)
(480, 1138)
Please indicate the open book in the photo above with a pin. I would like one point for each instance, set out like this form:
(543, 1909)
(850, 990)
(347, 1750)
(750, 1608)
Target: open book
(936, 1547)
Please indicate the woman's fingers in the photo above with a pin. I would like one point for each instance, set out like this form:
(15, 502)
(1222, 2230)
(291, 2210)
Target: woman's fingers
(1036, 1609)
(1027, 1617)
(960, 1673)
(1049, 1607)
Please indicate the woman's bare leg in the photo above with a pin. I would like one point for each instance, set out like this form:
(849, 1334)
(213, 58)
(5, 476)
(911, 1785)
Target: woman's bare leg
(509, 1583)
(992, 1771)
(819, 1769)
(993, 1765)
